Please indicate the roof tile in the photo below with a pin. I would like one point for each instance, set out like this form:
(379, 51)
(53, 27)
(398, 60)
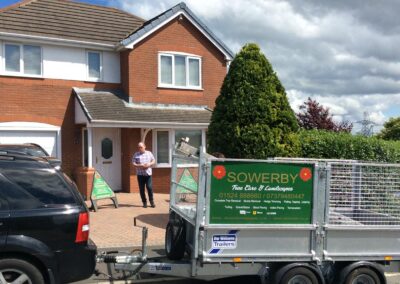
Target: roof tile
(69, 20)
(112, 106)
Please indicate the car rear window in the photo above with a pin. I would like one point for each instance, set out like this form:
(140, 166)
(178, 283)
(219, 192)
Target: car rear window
(38, 187)
(35, 152)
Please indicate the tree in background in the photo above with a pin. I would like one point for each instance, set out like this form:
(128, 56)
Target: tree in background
(391, 129)
(312, 115)
(252, 117)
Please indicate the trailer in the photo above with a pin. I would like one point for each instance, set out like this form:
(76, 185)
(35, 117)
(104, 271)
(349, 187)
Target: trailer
(289, 221)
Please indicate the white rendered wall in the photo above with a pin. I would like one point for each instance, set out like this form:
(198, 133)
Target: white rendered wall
(111, 67)
(70, 63)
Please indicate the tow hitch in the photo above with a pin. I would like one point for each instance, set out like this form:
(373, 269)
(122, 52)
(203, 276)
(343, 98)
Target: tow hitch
(137, 256)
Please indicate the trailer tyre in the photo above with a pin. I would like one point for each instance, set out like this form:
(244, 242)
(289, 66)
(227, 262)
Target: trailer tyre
(362, 275)
(299, 275)
(175, 240)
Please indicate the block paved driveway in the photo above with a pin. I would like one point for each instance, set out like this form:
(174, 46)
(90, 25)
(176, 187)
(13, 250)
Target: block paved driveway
(113, 227)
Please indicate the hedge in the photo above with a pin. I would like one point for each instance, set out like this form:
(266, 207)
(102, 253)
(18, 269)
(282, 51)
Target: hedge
(333, 145)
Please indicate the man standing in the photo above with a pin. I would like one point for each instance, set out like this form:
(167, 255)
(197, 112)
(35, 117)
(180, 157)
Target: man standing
(143, 161)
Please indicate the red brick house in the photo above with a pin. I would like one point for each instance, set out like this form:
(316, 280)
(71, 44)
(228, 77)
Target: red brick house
(88, 83)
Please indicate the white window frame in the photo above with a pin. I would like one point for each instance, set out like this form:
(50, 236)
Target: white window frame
(94, 79)
(187, 57)
(171, 142)
(21, 61)
(83, 146)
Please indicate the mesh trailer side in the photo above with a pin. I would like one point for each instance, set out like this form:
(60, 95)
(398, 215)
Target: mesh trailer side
(364, 194)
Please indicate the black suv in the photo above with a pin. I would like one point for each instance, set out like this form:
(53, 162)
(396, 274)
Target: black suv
(30, 149)
(44, 224)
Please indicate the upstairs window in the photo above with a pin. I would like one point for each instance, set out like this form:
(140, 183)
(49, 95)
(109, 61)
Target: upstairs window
(94, 65)
(23, 59)
(179, 71)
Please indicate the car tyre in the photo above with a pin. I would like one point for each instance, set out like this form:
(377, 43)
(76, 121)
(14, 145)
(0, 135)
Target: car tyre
(12, 269)
(175, 240)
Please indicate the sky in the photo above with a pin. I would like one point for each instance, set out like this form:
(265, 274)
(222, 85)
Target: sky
(344, 54)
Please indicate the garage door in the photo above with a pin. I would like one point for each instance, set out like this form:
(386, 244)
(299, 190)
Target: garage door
(46, 139)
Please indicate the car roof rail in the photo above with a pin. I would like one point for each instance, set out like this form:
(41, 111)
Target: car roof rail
(9, 155)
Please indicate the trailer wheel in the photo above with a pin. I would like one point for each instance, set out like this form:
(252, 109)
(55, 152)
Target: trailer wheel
(175, 240)
(299, 275)
(362, 275)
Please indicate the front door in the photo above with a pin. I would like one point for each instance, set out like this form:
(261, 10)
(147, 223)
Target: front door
(107, 155)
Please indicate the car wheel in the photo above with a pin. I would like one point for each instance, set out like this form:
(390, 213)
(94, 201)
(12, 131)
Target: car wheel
(14, 270)
(299, 275)
(175, 240)
(362, 275)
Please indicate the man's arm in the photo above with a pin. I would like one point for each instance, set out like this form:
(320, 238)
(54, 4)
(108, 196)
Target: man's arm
(139, 166)
(151, 163)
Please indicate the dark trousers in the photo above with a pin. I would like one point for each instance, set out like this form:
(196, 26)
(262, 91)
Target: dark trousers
(145, 181)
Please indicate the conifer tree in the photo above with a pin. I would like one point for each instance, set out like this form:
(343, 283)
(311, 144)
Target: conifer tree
(252, 117)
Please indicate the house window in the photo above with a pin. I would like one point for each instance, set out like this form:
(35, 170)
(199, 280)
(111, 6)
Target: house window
(162, 153)
(179, 71)
(166, 139)
(94, 65)
(193, 135)
(23, 59)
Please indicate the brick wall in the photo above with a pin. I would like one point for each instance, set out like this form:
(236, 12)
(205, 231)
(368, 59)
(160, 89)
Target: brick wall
(51, 101)
(125, 71)
(139, 74)
(142, 66)
(161, 180)
(47, 101)
(130, 137)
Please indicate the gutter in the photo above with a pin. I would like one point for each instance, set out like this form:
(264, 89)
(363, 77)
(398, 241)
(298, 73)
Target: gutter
(55, 41)
(142, 124)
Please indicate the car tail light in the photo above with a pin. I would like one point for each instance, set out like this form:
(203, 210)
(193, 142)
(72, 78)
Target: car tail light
(82, 233)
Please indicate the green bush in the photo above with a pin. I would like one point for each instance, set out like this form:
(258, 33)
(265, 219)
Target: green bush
(252, 117)
(331, 145)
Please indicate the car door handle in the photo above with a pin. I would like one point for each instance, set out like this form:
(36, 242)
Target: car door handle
(1, 223)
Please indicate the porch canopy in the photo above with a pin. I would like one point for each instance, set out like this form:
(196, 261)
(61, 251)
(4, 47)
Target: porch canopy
(113, 109)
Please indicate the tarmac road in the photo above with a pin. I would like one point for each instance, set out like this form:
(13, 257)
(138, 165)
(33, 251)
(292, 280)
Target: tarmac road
(155, 251)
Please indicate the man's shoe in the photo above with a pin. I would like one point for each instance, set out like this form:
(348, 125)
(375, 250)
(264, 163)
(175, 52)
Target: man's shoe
(152, 204)
(145, 205)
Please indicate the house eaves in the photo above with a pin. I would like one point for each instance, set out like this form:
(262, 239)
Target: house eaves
(164, 18)
(56, 41)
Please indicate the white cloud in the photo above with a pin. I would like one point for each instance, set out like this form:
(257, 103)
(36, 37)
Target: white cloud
(352, 107)
(342, 53)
